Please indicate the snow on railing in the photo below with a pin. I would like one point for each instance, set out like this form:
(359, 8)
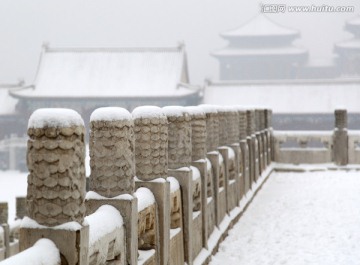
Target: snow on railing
(106, 235)
(42, 252)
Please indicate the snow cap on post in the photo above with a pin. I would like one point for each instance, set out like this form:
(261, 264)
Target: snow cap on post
(112, 152)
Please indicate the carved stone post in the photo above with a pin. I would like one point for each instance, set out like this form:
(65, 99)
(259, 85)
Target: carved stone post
(198, 139)
(151, 143)
(223, 125)
(212, 127)
(56, 153)
(259, 138)
(218, 172)
(112, 152)
(252, 143)
(151, 158)
(179, 129)
(233, 125)
(112, 160)
(268, 122)
(340, 150)
(198, 133)
(56, 183)
(229, 150)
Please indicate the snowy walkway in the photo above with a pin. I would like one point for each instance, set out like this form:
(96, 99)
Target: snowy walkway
(298, 218)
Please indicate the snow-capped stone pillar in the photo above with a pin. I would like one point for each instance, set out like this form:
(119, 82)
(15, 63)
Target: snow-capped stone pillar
(198, 140)
(340, 150)
(268, 124)
(56, 183)
(151, 142)
(229, 150)
(179, 167)
(55, 158)
(151, 161)
(112, 161)
(259, 138)
(252, 143)
(244, 148)
(217, 165)
(112, 152)
(179, 131)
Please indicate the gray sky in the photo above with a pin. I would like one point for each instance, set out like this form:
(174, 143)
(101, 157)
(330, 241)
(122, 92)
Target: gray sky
(25, 25)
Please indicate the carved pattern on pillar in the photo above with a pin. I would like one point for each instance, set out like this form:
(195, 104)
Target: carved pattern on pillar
(212, 127)
(242, 124)
(223, 125)
(151, 143)
(198, 133)
(250, 121)
(179, 143)
(233, 126)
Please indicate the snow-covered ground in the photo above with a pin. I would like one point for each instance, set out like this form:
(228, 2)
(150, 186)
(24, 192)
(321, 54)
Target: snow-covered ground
(12, 184)
(299, 218)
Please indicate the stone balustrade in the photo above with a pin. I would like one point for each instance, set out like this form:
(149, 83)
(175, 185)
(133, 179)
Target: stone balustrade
(197, 180)
(194, 174)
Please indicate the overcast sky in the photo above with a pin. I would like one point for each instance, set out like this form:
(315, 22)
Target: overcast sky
(26, 24)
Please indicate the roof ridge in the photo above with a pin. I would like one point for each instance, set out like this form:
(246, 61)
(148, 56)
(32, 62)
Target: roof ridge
(255, 19)
(114, 49)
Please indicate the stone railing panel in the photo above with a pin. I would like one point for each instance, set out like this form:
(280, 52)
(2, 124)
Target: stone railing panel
(302, 153)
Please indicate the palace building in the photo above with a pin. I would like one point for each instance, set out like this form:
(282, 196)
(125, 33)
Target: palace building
(84, 79)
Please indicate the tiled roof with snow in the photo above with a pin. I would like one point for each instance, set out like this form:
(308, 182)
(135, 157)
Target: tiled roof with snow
(112, 72)
(297, 96)
(260, 26)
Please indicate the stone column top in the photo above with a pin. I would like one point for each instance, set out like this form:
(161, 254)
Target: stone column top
(148, 112)
(111, 114)
(54, 117)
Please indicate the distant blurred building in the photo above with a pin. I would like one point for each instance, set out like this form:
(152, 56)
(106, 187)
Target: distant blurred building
(262, 50)
(349, 50)
(9, 116)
